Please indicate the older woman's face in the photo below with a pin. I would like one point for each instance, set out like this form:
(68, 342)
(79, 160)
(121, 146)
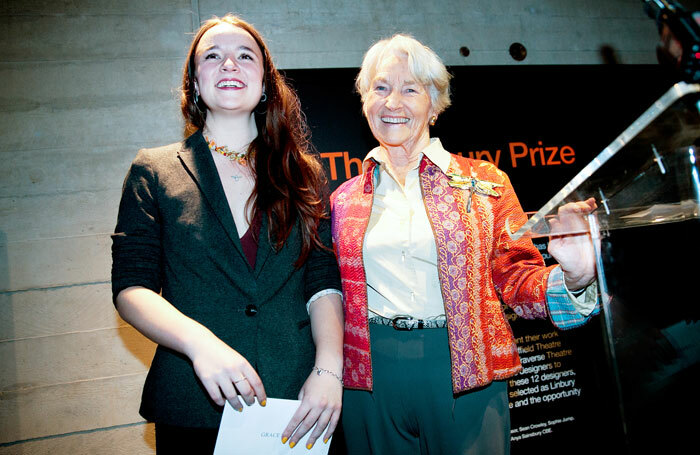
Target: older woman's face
(397, 106)
(229, 69)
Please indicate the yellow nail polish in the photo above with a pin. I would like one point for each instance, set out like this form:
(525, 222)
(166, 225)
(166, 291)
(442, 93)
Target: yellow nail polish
(292, 444)
(284, 439)
(263, 402)
(309, 446)
(325, 441)
(240, 410)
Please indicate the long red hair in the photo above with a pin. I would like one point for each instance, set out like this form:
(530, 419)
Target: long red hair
(290, 183)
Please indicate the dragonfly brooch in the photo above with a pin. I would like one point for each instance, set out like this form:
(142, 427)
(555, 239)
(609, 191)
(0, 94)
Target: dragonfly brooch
(473, 185)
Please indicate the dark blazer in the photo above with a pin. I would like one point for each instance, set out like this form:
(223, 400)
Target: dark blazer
(175, 234)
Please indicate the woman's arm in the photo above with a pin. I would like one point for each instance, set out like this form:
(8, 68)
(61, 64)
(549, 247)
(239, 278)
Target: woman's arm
(224, 372)
(322, 393)
(136, 280)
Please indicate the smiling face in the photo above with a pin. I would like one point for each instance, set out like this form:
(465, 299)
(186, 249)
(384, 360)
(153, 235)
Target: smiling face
(229, 70)
(397, 106)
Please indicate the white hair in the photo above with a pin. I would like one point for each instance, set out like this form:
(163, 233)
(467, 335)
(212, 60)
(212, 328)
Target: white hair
(424, 64)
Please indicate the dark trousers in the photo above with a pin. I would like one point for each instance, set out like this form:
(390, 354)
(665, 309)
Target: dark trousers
(183, 440)
(412, 410)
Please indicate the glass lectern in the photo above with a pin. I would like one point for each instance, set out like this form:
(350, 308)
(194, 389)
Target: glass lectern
(647, 190)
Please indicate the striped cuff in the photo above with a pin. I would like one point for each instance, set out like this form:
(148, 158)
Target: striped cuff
(566, 310)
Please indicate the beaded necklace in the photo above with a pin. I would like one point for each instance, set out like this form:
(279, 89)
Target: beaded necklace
(240, 157)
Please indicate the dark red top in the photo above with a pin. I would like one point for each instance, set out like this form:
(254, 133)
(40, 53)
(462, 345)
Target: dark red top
(249, 242)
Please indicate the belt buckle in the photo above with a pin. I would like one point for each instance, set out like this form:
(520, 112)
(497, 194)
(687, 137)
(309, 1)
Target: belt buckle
(395, 319)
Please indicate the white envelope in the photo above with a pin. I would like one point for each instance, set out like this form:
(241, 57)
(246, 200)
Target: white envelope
(258, 430)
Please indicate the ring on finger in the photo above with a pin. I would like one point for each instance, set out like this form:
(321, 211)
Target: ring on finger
(239, 380)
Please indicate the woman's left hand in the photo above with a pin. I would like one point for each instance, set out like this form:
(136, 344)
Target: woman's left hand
(574, 252)
(321, 400)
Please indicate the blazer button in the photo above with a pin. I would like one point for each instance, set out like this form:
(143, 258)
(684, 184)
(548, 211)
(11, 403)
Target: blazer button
(251, 310)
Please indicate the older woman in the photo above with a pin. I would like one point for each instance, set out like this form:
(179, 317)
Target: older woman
(222, 253)
(425, 262)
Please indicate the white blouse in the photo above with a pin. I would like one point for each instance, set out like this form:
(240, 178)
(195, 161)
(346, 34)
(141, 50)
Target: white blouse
(399, 251)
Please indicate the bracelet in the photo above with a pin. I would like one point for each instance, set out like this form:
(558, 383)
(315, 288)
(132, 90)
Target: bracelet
(319, 371)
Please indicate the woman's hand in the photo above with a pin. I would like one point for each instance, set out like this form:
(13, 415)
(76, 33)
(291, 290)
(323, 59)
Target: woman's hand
(225, 373)
(321, 400)
(574, 252)
(322, 393)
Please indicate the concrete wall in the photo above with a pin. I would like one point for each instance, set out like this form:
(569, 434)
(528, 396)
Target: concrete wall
(84, 84)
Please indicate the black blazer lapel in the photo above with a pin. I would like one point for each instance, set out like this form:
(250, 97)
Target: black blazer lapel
(264, 247)
(196, 158)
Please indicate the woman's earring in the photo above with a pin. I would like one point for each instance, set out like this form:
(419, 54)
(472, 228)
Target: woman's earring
(196, 101)
(432, 120)
(261, 109)
(195, 97)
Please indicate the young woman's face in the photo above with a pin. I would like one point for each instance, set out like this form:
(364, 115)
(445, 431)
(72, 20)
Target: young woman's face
(229, 70)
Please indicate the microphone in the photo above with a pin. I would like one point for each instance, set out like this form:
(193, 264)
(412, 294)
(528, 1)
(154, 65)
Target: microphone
(679, 30)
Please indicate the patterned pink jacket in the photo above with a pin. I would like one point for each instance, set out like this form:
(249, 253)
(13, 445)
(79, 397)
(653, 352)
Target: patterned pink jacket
(478, 265)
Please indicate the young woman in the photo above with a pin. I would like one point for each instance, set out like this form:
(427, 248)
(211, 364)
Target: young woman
(221, 253)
